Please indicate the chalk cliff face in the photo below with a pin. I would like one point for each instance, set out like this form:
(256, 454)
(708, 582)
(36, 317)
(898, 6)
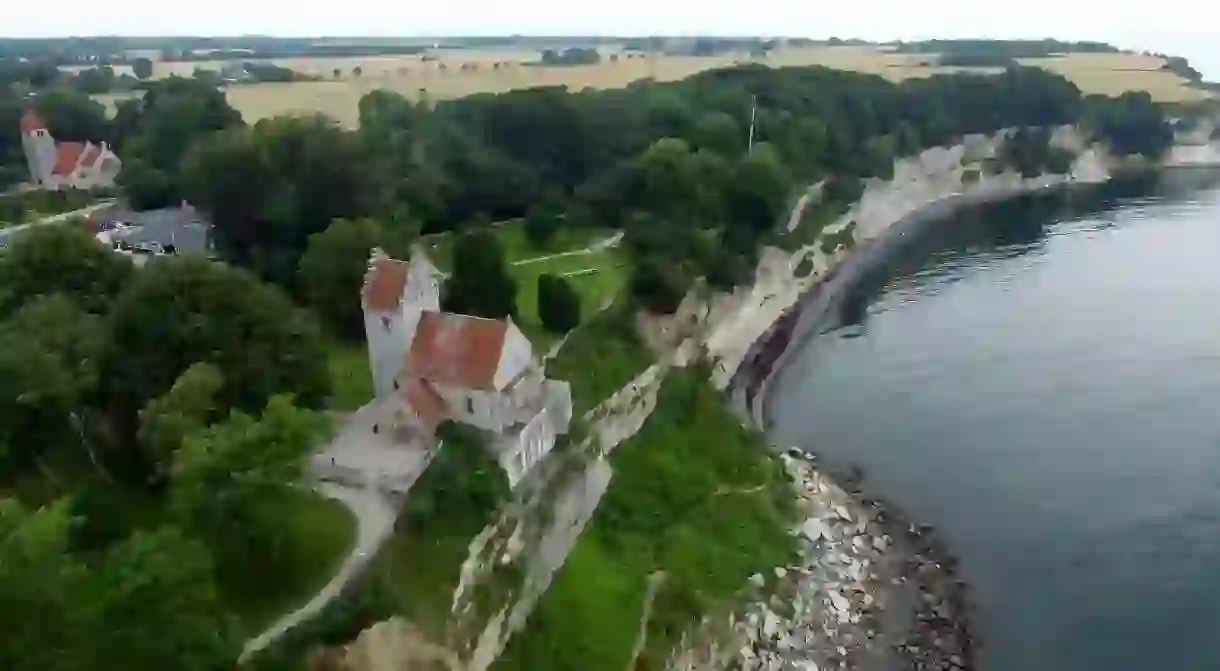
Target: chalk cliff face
(733, 329)
(925, 186)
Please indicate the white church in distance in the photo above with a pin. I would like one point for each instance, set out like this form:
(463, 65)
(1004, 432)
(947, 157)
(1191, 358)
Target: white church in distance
(430, 366)
(65, 165)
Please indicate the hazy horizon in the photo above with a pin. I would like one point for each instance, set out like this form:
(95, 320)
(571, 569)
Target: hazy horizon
(1129, 26)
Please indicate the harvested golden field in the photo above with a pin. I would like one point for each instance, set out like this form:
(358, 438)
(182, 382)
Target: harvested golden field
(1112, 74)
(459, 73)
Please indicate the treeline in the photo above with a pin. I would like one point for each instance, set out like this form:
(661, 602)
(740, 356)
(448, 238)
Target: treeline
(1181, 67)
(573, 56)
(116, 50)
(153, 428)
(668, 163)
(1008, 49)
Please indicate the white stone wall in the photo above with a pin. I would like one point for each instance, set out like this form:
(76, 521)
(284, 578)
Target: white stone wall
(487, 410)
(519, 453)
(388, 335)
(423, 286)
(515, 359)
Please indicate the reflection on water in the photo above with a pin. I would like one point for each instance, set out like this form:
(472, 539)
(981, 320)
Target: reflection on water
(1039, 381)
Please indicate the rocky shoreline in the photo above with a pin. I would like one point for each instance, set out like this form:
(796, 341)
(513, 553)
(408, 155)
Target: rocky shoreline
(874, 590)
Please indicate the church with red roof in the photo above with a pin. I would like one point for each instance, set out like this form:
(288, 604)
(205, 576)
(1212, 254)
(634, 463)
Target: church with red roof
(65, 165)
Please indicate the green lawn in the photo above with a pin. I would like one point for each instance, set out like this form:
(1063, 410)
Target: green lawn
(511, 236)
(600, 356)
(315, 534)
(594, 288)
(351, 379)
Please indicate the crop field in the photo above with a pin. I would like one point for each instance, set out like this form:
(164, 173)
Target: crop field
(457, 73)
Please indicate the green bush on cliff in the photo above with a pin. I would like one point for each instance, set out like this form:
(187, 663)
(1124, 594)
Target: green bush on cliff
(696, 496)
(449, 505)
(600, 356)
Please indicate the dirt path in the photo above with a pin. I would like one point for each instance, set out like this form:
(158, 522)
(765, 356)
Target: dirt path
(7, 233)
(374, 521)
(605, 243)
(798, 210)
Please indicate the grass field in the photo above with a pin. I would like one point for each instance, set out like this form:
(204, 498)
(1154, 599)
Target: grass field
(412, 76)
(350, 379)
(595, 288)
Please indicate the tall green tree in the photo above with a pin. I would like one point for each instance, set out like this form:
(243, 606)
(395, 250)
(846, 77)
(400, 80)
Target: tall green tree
(720, 133)
(558, 304)
(155, 133)
(37, 397)
(45, 620)
(142, 68)
(225, 479)
(147, 603)
(332, 269)
(269, 187)
(180, 311)
(186, 408)
(758, 192)
(480, 284)
(157, 606)
(60, 259)
(72, 115)
(541, 225)
(68, 332)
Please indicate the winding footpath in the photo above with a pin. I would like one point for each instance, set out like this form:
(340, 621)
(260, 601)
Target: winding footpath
(6, 234)
(374, 523)
(600, 245)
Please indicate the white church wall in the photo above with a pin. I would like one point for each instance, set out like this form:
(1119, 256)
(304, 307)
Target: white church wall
(517, 356)
(388, 334)
(519, 453)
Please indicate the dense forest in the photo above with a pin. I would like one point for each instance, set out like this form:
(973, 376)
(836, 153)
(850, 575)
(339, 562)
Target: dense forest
(183, 397)
(666, 162)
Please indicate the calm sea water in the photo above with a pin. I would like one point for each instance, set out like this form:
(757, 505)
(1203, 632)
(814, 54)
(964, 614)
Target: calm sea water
(1041, 382)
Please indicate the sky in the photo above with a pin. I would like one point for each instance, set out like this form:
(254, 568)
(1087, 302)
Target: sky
(1128, 24)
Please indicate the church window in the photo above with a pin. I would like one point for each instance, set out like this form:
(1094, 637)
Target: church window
(386, 324)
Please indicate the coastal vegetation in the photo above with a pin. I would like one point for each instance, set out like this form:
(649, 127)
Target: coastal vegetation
(155, 429)
(697, 500)
(157, 422)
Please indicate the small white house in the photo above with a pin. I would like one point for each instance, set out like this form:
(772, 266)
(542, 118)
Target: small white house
(65, 165)
(430, 366)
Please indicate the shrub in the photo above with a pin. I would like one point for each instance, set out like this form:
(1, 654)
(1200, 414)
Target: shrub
(558, 304)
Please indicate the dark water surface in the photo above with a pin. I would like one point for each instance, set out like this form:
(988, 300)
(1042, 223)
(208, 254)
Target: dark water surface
(1041, 382)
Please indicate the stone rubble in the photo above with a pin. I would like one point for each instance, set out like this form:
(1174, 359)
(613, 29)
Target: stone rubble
(825, 611)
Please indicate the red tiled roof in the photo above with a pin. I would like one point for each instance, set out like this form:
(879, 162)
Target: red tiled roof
(426, 403)
(385, 284)
(30, 122)
(457, 350)
(93, 154)
(67, 157)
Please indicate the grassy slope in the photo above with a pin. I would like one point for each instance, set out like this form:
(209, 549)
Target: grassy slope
(600, 356)
(351, 379)
(449, 505)
(695, 495)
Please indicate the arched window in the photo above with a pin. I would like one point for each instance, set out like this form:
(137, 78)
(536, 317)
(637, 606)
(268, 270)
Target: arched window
(387, 324)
